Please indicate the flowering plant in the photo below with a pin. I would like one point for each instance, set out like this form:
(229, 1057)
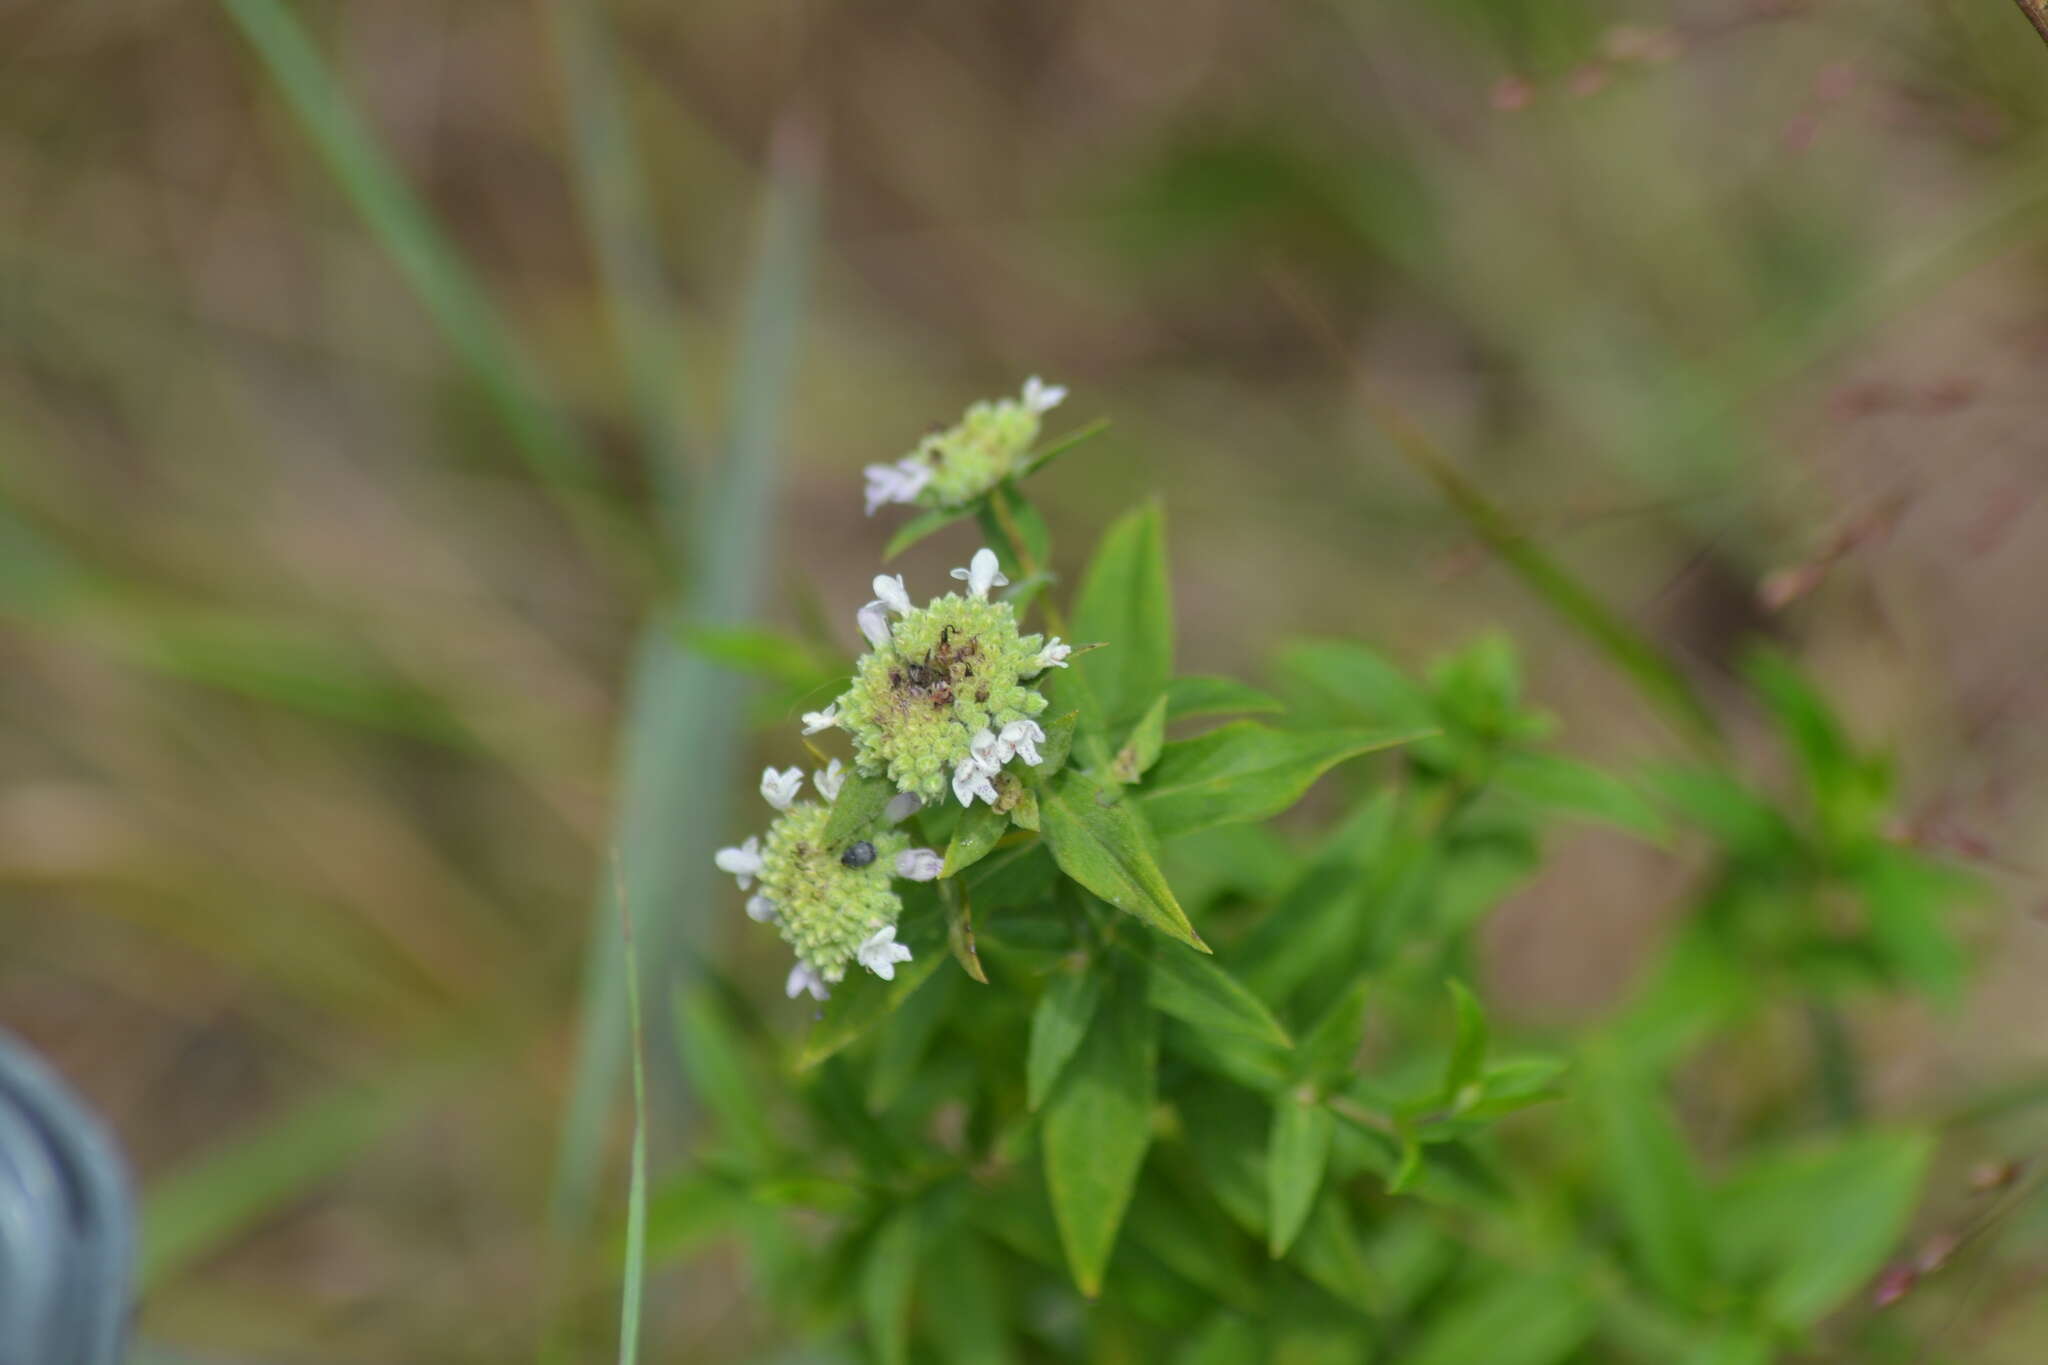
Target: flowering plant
(1105, 1066)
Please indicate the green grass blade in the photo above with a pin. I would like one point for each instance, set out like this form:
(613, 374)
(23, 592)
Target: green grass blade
(1571, 599)
(680, 741)
(636, 1197)
(201, 1208)
(612, 192)
(430, 264)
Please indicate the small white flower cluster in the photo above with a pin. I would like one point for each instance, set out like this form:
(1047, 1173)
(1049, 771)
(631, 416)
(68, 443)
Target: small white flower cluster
(988, 752)
(902, 480)
(776, 865)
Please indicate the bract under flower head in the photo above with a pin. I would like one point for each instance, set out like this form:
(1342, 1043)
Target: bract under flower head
(946, 673)
(953, 467)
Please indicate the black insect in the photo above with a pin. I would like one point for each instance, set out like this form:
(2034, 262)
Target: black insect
(860, 855)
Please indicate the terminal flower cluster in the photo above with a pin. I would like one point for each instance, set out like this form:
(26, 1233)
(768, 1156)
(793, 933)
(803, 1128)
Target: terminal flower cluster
(943, 698)
(834, 907)
(951, 468)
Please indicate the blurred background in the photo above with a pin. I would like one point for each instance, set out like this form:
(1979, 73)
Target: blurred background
(399, 399)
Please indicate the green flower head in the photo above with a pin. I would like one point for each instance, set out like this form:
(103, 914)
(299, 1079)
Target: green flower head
(944, 695)
(834, 906)
(951, 468)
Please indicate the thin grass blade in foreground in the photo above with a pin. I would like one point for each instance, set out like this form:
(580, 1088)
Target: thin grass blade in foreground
(680, 739)
(436, 272)
(636, 1198)
(1620, 641)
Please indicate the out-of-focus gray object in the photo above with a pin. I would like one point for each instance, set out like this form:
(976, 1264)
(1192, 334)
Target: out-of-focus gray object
(65, 1230)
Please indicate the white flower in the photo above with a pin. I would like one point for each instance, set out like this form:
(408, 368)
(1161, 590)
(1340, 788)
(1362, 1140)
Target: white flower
(743, 862)
(981, 572)
(1021, 737)
(889, 588)
(873, 620)
(801, 979)
(761, 910)
(1054, 655)
(882, 952)
(778, 789)
(899, 482)
(970, 780)
(989, 751)
(1040, 396)
(815, 721)
(901, 807)
(830, 780)
(919, 864)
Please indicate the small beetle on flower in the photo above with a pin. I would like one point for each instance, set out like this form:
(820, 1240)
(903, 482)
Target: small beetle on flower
(834, 908)
(943, 697)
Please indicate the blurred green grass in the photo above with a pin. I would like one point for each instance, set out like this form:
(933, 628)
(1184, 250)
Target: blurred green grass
(359, 466)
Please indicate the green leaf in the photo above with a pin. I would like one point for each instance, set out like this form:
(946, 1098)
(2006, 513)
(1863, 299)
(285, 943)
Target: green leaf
(1054, 749)
(1342, 682)
(1141, 750)
(1100, 840)
(975, 837)
(719, 1069)
(1126, 603)
(1058, 1025)
(862, 1001)
(1098, 1124)
(1649, 1173)
(1203, 695)
(970, 1327)
(888, 1275)
(1533, 1320)
(1468, 1051)
(1327, 1049)
(1813, 1225)
(1045, 455)
(1328, 1251)
(960, 929)
(1295, 1157)
(1246, 771)
(920, 526)
(1551, 782)
(861, 802)
(1019, 535)
(1197, 991)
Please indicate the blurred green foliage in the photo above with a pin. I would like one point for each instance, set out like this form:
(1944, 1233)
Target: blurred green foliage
(377, 559)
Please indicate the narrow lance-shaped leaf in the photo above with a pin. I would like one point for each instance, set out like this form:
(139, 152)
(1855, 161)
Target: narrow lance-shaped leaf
(975, 837)
(1100, 840)
(1199, 992)
(887, 1278)
(860, 803)
(1468, 1049)
(1651, 1176)
(1295, 1157)
(1141, 750)
(1126, 603)
(1058, 1024)
(1246, 771)
(1098, 1124)
(1211, 696)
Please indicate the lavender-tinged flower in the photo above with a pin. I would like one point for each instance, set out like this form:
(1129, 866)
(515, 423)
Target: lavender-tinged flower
(1054, 655)
(919, 864)
(1041, 397)
(761, 910)
(826, 719)
(801, 979)
(970, 780)
(1022, 737)
(901, 807)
